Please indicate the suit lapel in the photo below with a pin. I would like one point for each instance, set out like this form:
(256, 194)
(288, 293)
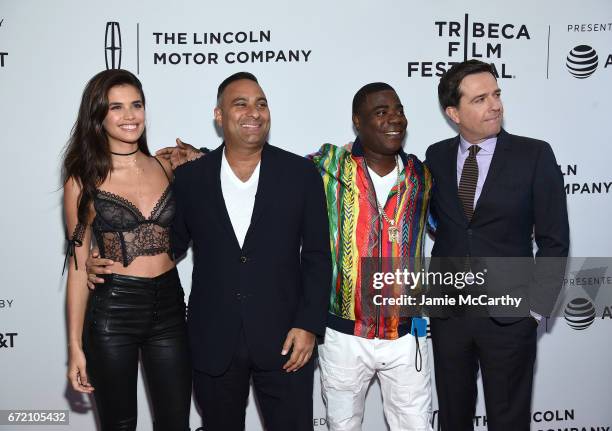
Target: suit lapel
(452, 169)
(214, 179)
(265, 187)
(500, 157)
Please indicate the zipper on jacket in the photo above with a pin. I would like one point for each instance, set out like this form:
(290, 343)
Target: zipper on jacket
(379, 268)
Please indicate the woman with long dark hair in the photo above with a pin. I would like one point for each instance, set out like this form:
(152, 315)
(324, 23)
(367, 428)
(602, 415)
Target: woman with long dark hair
(116, 192)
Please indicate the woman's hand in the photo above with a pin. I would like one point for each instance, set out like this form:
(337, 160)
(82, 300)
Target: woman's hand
(77, 372)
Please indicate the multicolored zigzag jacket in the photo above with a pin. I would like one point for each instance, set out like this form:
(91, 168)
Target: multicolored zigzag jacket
(359, 237)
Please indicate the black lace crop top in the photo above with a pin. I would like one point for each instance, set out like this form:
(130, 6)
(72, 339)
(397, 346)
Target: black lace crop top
(123, 233)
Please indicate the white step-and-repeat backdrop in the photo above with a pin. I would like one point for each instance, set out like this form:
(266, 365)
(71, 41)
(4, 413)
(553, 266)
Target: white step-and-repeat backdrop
(310, 58)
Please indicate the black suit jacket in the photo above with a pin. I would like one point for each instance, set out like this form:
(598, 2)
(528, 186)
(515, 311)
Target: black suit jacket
(278, 280)
(522, 199)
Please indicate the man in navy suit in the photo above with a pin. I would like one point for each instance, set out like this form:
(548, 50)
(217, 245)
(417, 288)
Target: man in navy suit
(257, 218)
(494, 193)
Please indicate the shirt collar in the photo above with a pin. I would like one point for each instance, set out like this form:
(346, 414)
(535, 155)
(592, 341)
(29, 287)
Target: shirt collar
(487, 146)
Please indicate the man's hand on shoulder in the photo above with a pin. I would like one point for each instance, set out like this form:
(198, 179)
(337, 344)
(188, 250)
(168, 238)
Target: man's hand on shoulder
(180, 154)
(303, 343)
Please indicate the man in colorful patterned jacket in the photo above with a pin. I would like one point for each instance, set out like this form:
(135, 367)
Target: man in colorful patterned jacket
(377, 199)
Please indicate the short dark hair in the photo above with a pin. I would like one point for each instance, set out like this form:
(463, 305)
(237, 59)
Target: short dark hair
(235, 77)
(448, 88)
(363, 92)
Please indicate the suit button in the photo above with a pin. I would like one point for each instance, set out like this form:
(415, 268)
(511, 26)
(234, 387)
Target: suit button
(469, 232)
(243, 259)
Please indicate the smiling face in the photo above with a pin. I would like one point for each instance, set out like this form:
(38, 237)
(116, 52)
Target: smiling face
(480, 111)
(125, 120)
(243, 114)
(381, 123)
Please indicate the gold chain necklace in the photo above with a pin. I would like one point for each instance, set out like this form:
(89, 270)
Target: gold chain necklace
(392, 230)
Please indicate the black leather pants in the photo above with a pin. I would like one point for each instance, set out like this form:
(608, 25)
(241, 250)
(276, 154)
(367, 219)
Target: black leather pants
(131, 316)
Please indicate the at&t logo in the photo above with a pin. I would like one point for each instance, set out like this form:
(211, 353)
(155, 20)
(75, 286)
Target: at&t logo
(7, 340)
(579, 313)
(112, 45)
(582, 61)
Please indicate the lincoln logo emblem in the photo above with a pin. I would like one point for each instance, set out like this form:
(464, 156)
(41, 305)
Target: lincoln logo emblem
(112, 45)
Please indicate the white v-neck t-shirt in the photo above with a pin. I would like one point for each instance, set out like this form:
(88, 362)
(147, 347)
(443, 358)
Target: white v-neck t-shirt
(239, 198)
(383, 185)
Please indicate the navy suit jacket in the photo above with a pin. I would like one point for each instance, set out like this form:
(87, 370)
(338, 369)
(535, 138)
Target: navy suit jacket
(523, 199)
(278, 280)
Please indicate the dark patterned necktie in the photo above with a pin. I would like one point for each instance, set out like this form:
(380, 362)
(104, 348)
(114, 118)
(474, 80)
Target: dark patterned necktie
(468, 181)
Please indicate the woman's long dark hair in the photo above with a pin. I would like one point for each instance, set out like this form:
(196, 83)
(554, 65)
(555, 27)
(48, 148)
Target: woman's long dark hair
(87, 157)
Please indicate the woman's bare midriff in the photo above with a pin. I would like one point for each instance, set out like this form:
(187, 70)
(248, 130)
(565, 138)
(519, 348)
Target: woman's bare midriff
(145, 266)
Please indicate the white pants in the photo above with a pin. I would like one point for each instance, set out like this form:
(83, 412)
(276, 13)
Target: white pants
(348, 363)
